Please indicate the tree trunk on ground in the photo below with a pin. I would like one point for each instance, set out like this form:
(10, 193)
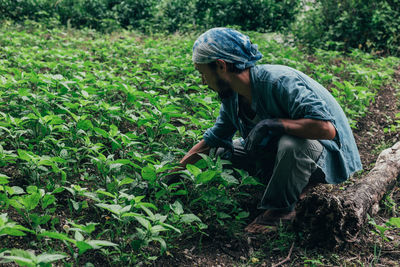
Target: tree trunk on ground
(332, 217)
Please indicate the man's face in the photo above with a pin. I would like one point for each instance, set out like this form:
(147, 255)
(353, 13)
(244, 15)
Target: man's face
(210, 77)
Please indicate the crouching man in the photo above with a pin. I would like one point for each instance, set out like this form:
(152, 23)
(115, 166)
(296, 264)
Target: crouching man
(293, 132)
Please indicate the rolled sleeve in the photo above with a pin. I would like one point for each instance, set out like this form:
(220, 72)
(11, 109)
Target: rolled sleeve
(301, 101)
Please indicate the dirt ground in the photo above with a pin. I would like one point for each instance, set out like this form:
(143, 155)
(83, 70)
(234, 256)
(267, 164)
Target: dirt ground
(279, 248)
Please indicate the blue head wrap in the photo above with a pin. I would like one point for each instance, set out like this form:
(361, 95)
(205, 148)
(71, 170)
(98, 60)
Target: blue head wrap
(228, 45)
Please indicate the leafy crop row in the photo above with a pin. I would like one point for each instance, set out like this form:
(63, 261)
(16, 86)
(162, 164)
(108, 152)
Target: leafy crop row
(91, 126)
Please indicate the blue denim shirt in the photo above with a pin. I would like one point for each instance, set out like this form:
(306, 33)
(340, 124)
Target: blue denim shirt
(282, 92)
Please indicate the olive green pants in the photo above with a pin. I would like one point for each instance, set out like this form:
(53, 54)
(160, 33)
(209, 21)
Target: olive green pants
(286, 166)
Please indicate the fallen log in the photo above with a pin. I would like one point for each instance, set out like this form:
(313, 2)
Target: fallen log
(331, 217)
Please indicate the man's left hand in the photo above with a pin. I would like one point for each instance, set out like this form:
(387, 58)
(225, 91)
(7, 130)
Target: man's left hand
(260, 131)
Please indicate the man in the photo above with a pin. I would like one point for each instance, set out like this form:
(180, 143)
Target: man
(293, 131)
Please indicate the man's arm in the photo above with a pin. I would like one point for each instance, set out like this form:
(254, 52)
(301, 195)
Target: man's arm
(193, 155)
(309, 128)
(303, 128)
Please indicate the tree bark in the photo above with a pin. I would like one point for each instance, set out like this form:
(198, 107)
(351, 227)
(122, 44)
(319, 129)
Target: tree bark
(332, 217)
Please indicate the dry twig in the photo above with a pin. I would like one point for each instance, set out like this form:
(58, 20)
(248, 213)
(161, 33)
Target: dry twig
(287, 258)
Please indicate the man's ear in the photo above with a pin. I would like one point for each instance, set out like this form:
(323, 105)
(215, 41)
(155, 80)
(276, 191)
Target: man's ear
(221, 65)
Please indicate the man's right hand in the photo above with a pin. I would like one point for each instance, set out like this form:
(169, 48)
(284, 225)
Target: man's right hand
(190, 158)
(193, 155)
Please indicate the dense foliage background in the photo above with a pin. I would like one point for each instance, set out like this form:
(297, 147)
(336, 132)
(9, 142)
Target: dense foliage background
(169, 15)
(368, 25)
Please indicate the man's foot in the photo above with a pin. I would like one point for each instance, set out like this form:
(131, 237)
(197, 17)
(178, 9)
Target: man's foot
(269, 220)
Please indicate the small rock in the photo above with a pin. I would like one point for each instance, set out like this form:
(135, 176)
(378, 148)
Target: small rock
(254, 260)
(391, 238)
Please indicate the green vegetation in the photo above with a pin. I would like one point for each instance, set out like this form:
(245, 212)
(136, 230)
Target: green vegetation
(151, 15)
(92, 125)
(340, 25)
(328, 24)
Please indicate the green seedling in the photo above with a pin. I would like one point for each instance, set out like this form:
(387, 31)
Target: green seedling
(29, 259)
(26, 204)
(8, 227)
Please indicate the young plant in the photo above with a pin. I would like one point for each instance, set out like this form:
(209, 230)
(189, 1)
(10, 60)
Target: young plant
(8, 227)
(29, 259)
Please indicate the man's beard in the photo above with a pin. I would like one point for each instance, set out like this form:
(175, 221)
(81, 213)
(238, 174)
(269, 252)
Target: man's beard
(224, 89)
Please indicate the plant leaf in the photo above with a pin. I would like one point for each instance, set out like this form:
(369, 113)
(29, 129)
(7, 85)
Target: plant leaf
(189, 218)
(206, 176)
(50, 257)
(394, 221)
(193, 169)
(149, 173)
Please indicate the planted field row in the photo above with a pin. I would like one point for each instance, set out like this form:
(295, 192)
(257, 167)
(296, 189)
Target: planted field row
(91, 126)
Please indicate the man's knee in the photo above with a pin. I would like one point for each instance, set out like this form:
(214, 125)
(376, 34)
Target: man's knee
(290, 144)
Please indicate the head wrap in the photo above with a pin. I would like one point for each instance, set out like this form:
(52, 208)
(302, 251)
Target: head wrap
(228, 45)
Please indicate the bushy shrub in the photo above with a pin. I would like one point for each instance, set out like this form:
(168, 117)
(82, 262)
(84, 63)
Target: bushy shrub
(133, 13)
(19, 10)
(77, 13)
(259, 15)
(164, 15)
(369, 25)
(175, 15)
(82, 13)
